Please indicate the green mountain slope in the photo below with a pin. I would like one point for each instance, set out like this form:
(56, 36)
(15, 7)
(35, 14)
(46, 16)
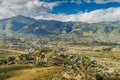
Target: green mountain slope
(43, 27)
(10, 25)
(26, 25)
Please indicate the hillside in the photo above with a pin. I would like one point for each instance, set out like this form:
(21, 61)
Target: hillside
(26, 25)
(107, 31)
(11, 25)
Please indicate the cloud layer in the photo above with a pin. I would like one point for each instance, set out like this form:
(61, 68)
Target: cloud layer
(29, 8)
(105, 1)
(41, 10)
(95, 1)
(111, 14)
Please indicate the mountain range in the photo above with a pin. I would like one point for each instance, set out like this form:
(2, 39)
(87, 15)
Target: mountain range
(21, 24)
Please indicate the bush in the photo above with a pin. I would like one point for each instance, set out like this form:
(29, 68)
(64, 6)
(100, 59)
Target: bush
(99, 77)
(24, 57)
(3, 61)
(10, 58)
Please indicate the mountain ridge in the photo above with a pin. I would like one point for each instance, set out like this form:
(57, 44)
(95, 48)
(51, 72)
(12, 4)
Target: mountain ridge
(26, 25)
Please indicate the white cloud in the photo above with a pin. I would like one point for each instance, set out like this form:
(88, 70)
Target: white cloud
(110, 14)
(105, 1)
(88, 1)
(76, 1)
(96, 1)
(40, 10)
(29, 8)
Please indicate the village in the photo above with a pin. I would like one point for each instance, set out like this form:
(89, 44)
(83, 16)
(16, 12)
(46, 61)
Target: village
(44, 52)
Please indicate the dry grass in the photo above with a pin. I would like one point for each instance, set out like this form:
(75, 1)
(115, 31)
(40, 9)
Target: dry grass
(30, 73)
(110, 59)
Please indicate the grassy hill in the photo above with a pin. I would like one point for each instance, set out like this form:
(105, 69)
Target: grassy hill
(23, 72)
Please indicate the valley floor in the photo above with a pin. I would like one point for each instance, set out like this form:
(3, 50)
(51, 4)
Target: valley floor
(76, 62)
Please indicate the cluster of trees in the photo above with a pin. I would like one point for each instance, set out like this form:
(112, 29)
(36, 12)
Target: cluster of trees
(25, 57)
(7, 60)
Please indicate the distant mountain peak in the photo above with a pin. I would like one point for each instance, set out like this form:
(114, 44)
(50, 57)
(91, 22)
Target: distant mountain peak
(21, 16)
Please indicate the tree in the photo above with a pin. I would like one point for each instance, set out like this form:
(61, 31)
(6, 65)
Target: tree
(3, 61)
(24, 57)
(99, 77)
(10, 58)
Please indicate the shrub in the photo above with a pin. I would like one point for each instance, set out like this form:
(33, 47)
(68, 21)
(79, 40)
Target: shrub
(3, 61)
(99, 77)
(10, 58)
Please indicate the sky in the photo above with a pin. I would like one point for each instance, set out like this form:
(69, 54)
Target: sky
(91, 11)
